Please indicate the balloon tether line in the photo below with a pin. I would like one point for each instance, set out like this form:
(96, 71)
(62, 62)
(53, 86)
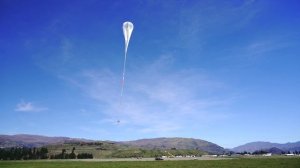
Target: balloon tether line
(123, 78)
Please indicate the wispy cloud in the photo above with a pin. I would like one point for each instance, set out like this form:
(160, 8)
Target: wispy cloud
(261, 47)
(28, 107)
(258, 48)
(157, 98)
(202, 20)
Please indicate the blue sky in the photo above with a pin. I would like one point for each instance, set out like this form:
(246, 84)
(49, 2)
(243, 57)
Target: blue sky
(226, 72)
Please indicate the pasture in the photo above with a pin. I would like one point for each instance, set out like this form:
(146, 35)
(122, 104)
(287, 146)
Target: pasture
(227, 163)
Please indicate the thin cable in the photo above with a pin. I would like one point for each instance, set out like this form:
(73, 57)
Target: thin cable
(123, 76)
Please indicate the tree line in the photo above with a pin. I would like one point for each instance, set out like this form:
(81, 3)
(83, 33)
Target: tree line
(261, 152)
(24, 153)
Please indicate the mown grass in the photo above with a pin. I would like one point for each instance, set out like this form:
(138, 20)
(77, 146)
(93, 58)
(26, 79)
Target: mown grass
(233, 163)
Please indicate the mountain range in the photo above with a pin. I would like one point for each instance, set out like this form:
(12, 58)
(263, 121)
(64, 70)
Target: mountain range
(255, 146)
(155, 143)
(26, 140)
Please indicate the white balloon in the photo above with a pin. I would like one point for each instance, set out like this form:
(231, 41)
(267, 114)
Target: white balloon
(127, 30)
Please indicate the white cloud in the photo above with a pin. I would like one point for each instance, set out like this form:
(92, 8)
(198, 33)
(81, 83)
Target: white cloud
(156, 99)
(205, 19)
(28, 107)
(259, 49)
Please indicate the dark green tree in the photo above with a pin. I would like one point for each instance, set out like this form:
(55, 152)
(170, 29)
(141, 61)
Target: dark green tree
(43, 153)
(63, 153)
(72, 154)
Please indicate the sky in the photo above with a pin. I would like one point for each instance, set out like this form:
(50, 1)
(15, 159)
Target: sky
(223, 71)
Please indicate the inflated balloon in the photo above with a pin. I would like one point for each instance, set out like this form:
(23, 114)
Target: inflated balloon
(127, 30)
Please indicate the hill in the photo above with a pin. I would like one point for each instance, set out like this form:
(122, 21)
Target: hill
(148, 147)
(108, 149)
(177, 143)
(255, 146)
(26, 140)
(274, 151)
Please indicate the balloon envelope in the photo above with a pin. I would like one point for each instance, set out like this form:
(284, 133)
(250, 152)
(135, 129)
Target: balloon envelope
(127, 30)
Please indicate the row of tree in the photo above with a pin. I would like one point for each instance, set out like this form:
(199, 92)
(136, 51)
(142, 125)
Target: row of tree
(72, 155)
(25, 153)
(291, 152)
(261, 152)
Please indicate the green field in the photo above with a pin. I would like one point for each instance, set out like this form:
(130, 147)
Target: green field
(232, 163)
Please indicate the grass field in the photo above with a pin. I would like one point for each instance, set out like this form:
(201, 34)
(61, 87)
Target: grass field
(232, 163)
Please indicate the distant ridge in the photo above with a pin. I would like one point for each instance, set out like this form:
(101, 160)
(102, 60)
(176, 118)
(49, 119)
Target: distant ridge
(178, 143)
(254, 146)
(27, 140)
